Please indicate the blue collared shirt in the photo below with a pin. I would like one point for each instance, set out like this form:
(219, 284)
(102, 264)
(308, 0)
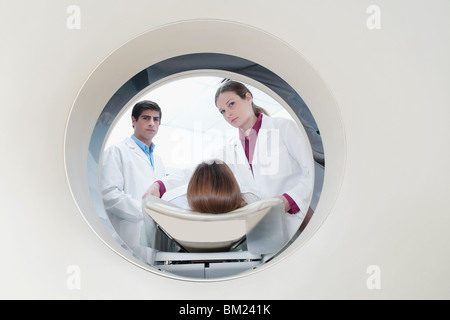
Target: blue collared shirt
(148, 151)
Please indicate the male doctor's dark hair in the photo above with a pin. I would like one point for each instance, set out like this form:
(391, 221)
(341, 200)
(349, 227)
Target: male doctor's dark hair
(145, 105)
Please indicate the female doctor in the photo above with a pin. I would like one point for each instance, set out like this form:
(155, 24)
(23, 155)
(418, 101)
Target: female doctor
(269, 156)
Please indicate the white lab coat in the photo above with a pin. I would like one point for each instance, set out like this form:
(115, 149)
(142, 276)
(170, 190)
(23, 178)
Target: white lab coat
(282, 163)
(125, 176)
(178, 197)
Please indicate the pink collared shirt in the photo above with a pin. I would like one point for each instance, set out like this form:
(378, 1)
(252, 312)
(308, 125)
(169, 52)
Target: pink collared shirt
(249, 142)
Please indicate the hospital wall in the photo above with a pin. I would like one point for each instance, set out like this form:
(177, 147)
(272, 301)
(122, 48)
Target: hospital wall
(390, 84)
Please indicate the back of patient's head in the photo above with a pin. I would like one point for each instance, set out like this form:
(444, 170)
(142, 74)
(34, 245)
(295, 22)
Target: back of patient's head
(213, 189)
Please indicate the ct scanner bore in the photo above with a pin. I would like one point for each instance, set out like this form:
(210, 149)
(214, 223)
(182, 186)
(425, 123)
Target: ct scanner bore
(83, 174)
(186, 65)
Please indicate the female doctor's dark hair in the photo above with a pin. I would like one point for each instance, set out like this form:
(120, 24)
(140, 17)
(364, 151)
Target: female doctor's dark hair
(241, 90)
(214, 189)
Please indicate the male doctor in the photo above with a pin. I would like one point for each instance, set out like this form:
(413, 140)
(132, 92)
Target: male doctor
(128, 167)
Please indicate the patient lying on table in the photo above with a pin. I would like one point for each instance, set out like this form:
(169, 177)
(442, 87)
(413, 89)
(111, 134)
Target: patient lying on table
(212, 188)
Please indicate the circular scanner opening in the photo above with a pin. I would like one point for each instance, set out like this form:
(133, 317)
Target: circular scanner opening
(99, 107)
(190, 132)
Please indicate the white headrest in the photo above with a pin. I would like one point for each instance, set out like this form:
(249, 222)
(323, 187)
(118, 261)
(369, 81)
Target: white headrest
(199, 230)
(166, 208)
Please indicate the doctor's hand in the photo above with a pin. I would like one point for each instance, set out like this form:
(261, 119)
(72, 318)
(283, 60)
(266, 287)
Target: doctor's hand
(153, 190)
(287, 206)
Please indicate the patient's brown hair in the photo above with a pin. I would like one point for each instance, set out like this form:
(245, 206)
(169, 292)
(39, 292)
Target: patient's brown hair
(214, 189)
